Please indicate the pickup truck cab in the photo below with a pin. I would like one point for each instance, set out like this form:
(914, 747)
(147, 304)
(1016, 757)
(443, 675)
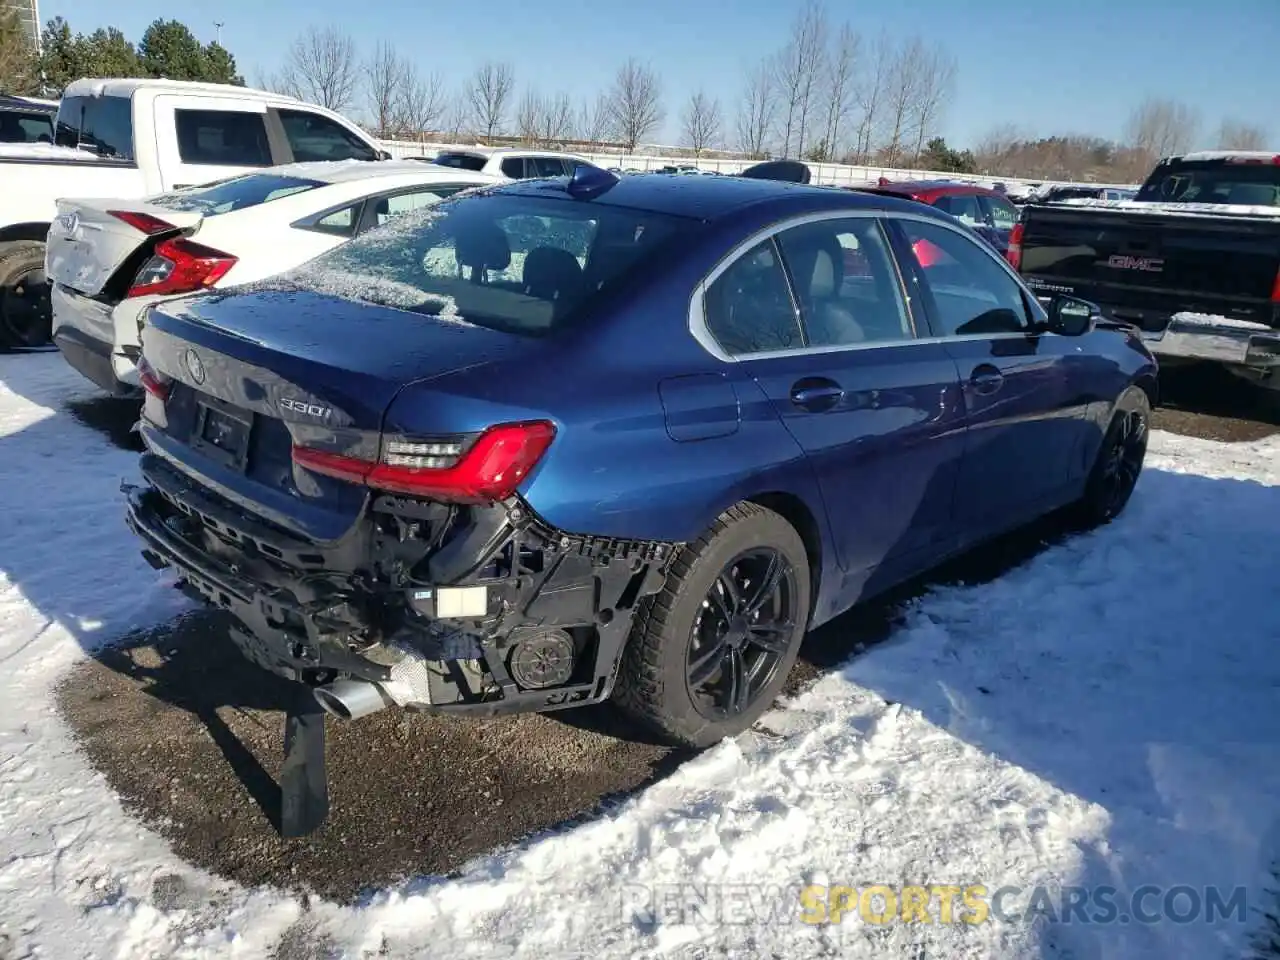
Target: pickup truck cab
(130, 139)
(1193, 261)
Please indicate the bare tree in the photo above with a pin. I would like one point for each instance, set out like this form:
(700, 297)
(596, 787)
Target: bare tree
(936, 82)
(996, 151)
(797, 67)
(701, 123)
(635, 103)
(1238, 135)
(529, 117)
(593, 119)
(1162, 128)
(870, 94)
(384, 81)
(756, 111)
(490, 95)
(557, 119)
(457, 116)
(902, 92)
(422, 102)
(841, 66)
(321, 67)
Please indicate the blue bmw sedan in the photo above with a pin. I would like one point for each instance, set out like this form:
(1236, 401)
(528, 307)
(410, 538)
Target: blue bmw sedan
(591, 437)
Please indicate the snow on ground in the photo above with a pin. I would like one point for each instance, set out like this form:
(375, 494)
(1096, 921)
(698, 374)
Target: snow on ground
(1105, 714)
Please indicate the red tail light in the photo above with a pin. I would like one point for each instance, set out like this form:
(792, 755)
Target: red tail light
(490, 469)
(180, 265)
(142, 221)
(1275, 289)
(152, 382)
(1014, 253)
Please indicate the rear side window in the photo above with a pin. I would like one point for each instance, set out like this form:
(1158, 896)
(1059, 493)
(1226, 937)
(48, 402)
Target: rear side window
(964, 207)
(470, 258)
(749, 307)
(1003, 213)
(315, 138)
(101, 125)
(237, 193)
(461, 161)
(514, 167)
(222, 138)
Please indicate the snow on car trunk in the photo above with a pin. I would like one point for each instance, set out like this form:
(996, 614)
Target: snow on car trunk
(1106, 716)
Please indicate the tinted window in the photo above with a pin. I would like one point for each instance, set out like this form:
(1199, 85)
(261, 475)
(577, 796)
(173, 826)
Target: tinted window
(1003, 213)
(845, 280)
(514, 167)
(316, 138)
(102, 125)
(972, 292)
(462, 161)
(1252, 184)
(25, 127)
(545, 166)
(749, 308)
(237, 193)
(225, 138)
(460, 258)
(964, 207)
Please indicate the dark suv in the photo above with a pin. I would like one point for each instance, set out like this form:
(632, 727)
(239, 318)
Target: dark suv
(987, 212)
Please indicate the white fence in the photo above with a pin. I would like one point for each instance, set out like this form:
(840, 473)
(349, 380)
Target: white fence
(836, 174)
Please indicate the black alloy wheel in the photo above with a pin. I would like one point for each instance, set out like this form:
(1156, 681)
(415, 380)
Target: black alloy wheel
(1122, 461)
(742, 634)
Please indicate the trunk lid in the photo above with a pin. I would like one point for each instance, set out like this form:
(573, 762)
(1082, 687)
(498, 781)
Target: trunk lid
(1148, 261)
(253, 373)
(91, 240)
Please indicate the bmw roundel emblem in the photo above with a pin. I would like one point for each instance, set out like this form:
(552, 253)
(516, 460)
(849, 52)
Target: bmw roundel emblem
(194, 366)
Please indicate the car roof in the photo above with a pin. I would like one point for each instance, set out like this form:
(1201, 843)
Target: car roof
(345, 171)
(10, 102)
(126, 87)
(905, 187)
(489, 152)
(708, 198)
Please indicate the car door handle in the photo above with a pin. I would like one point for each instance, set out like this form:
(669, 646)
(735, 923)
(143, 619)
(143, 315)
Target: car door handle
(986, 379)
(816, 394)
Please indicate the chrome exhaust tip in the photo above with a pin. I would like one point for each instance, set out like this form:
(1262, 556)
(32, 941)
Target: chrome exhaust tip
(351, 699)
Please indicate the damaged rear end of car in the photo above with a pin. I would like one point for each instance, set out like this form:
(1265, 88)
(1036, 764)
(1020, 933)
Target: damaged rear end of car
(309, 471)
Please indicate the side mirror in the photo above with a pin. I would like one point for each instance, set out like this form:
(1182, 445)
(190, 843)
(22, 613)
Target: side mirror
(384, 155)
(1071, 316)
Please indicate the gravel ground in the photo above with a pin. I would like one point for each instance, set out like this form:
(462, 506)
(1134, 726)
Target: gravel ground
(191, 736)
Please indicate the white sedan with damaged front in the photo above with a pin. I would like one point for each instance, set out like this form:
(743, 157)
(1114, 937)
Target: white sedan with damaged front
(109, 261)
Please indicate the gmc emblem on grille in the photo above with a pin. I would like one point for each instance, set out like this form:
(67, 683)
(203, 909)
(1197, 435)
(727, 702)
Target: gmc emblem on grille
(1120, 261)
(300, 406)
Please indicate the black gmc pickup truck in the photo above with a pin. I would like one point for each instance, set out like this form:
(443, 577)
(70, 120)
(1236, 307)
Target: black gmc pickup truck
(1193, 261)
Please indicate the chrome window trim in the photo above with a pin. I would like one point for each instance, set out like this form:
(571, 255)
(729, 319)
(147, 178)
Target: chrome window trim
(697, 321)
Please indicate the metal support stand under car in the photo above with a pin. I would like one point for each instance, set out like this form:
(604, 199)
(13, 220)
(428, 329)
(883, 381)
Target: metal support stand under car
(304, 780)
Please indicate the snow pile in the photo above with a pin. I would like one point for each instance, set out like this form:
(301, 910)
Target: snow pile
(1105, 714)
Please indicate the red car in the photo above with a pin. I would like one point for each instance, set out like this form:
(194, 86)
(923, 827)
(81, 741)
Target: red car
(987, 212)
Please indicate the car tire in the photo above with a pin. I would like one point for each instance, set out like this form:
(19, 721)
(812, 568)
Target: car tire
(673, 642)
(1119, 462)
(26, 318)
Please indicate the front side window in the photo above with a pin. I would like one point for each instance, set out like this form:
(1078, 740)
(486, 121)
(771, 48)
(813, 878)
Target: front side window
(32, 127)
(974, 295)
(845, 280)
(1003, 213)
(749, 307)
(469, 257)
(222, 138)
(236, 193)
(546, 166)
(314, 138)
(99, 125)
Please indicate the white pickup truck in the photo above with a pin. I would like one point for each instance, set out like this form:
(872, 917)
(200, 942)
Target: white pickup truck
(127, 139)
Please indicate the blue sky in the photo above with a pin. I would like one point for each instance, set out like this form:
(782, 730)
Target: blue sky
(1045, 72)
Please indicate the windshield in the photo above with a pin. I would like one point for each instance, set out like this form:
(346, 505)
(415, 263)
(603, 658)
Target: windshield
(237, 193)
(461, 161)
(1248, 184)
(520, 264)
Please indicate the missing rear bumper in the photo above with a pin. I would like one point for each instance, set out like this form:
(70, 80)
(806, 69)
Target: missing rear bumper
(486, 613)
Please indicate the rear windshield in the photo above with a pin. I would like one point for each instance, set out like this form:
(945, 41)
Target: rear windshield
(237, 193)
(463, 161)
(99, 125)
(1215, 181)
(520, 264)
